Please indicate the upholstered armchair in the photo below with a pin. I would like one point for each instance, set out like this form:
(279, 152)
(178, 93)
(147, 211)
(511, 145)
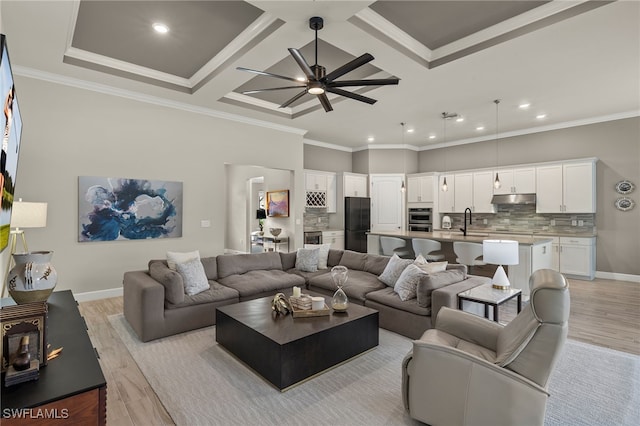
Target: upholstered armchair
(468, 370)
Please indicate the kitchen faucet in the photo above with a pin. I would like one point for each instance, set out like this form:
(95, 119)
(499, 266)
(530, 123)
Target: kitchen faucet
(464, 230)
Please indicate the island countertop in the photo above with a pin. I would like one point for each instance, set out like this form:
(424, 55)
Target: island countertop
(457, 236)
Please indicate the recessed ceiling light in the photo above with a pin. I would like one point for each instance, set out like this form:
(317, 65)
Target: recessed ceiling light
(480, 128)
(524, 105)
(432, 136)
(410, 130)
(160, 28)
(541, 116)
(371, 139)
(460, 119)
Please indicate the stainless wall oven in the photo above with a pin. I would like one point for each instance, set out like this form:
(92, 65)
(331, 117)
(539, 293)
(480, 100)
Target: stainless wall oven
(420, 219)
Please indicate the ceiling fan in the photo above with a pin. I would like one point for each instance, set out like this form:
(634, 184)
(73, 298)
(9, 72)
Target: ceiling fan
(318, 81)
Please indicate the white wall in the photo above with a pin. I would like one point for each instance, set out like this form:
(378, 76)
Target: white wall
(70, 132)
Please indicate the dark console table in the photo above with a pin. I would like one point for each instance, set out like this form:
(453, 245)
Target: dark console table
(71, 389)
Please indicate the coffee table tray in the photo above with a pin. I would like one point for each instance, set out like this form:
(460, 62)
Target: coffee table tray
(306, 313)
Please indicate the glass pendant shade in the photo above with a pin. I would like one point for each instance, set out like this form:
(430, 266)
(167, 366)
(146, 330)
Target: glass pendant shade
(496, 183)
(340, 301)
(445, 187)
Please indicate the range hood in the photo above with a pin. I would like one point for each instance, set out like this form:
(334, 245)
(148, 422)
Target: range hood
(514, 199)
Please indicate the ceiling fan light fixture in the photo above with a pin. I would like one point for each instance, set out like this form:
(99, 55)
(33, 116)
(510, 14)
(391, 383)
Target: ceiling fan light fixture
(159, 27)
(315, 90)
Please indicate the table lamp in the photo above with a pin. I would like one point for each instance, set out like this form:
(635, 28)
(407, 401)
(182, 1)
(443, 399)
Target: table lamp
(23, 215)
(261, 215)
(500, 252)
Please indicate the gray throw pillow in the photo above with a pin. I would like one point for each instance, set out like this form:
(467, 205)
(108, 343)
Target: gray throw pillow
(194, 277)
(408, 282)
(307, 259)
(393, 270)
(434, 281)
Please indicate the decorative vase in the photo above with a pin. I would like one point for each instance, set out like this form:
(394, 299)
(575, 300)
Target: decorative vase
(33, 278)
(340, 301)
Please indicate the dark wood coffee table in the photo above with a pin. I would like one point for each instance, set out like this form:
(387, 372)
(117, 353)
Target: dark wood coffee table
(286, 350)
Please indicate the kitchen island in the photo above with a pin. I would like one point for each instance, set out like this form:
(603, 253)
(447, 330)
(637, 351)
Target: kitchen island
(534, 251)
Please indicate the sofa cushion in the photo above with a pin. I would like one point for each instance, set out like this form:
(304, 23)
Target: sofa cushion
(210, 267)
(288, 260)
(174, 257)
(388, 297)
(232, 264)
(353, 260)
(393, 270)
(193, 276)
(307, 259)
(408, 282)
(260, 281)
(375, 263)
(434, 281)
(334, 257)
(170, 279)
(358, 284)
(308, 275)
(323, 254)
(215, 294)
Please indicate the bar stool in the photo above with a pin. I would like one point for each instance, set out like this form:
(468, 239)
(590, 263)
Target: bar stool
(468, 253)
(393, 245)
(424, 246)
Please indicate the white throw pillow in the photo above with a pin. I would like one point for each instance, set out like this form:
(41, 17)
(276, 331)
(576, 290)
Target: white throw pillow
(393, 270)
(407, 283)
(307, 259)
(193, 276)
(174, 257)
(323, 254)
(433, 267)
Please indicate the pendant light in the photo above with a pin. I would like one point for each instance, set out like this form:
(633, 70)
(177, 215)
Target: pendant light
(496, 182)
(403, 188)
(446, 116)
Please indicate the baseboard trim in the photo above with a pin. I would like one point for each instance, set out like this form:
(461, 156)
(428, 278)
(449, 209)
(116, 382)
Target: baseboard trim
(97, 295)
(618, 277)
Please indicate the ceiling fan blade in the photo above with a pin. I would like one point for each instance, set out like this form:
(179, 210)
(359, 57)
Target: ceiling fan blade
(355, 96)
(268, 74)
(302, 63)
(295, 98)
(248, 92)
(373, 82)
(325, 102)
(348, 67)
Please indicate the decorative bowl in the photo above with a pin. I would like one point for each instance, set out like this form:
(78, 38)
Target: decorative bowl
(275, 231)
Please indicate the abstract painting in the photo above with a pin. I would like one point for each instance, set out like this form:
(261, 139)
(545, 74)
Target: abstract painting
(112, 209)
(278, 203)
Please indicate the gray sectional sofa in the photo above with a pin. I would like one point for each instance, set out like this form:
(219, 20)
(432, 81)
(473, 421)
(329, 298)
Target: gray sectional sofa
(155, 304)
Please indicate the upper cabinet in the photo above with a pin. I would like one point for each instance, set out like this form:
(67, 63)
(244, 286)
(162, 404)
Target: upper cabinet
(315, 181)
(319, 182)
(420, 189)
(483, 192)
(520, 180)
(355, 185)
(567, 187)
(463, 192)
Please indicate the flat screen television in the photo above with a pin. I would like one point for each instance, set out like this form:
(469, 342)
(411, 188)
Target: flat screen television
(11, 125)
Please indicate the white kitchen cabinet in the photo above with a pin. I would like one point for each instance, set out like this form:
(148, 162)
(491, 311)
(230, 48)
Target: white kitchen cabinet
(463, 194)
(483, 192)
(335, 238)
(318, 181)
(446, 200)
(315, 181)
(420, 189)
(555, 253)
(567, 187)
(521, 180)
(577, 257)
(332, 193)
(355, 185)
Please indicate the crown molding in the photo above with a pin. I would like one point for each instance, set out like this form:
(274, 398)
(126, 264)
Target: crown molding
(327, 145)
(155, 100)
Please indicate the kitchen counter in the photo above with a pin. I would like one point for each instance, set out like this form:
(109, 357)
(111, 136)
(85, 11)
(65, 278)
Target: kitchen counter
(450, 236)
(585, 234)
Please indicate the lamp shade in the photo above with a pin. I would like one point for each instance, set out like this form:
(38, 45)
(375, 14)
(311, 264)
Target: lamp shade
(500, 252)
(261, 214)
(28, 215)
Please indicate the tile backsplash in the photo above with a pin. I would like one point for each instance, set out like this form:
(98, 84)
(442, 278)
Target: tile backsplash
(524, 219)
(316, 220)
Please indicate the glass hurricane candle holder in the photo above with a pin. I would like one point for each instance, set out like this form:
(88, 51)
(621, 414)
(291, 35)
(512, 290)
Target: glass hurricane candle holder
(339, 275)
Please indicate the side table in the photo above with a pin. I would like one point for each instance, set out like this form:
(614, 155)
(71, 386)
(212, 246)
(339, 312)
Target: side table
(489, 296)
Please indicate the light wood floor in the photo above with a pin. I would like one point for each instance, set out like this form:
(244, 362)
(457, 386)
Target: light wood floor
(603, 312)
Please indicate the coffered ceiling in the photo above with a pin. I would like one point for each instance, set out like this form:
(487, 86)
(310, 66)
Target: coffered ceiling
(572, 61)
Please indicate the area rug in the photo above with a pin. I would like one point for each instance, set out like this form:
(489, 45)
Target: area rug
(200, 383)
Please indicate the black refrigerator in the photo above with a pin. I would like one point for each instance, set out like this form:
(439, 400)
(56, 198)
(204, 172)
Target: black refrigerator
(357, 221)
